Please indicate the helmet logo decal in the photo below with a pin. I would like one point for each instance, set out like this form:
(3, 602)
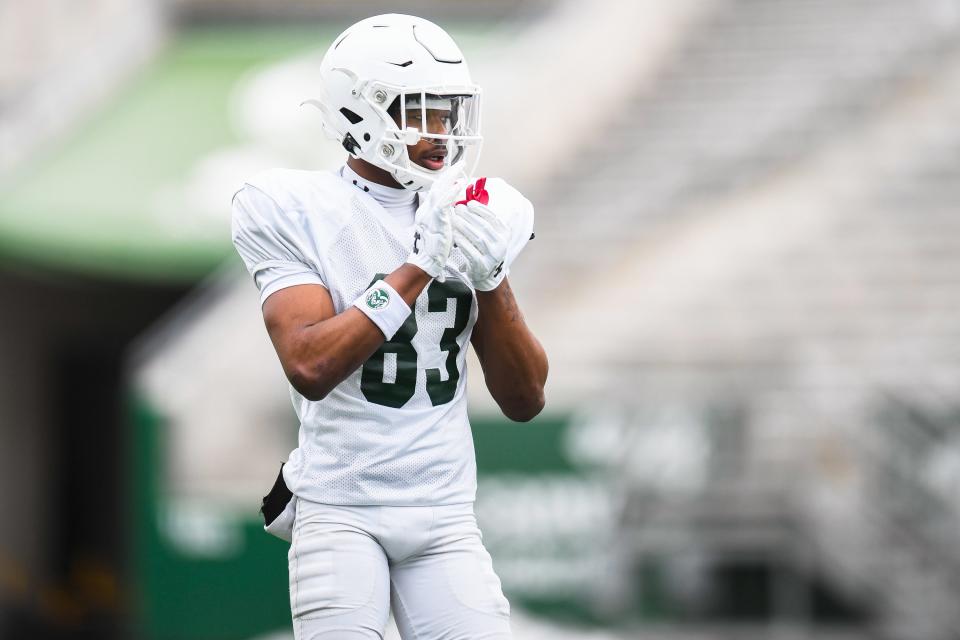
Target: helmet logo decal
(476, 192)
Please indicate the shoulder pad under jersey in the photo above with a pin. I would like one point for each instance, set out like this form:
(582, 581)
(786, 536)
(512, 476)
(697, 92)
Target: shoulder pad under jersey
(514, 209)
(322, 196)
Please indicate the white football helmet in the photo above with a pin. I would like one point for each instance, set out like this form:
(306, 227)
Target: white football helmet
(409, 66)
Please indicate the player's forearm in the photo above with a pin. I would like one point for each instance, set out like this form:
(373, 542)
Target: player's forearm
(331, 350)
(514, 363)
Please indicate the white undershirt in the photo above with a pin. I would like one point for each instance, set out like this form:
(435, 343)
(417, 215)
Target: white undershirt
(400, 203)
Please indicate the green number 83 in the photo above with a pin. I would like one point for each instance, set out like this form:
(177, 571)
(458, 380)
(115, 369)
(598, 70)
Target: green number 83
(398, 392)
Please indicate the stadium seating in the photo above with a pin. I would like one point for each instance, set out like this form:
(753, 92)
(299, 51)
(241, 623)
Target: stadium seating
(58, 65)
(757, 85)
(771, 227)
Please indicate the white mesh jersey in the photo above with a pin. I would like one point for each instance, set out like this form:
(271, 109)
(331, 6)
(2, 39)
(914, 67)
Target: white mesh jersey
(394, 432)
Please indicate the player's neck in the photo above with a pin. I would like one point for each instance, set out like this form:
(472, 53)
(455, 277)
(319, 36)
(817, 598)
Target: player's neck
(372, 173)
(395, 200)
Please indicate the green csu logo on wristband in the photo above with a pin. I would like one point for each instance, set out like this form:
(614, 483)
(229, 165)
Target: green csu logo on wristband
(378, 299)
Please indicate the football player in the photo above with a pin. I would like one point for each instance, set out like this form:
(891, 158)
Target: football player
(372, 279)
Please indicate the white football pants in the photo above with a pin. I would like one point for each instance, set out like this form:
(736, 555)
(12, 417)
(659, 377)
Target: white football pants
(349, 565)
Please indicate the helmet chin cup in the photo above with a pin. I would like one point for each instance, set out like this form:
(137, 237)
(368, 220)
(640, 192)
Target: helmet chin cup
(416, 178)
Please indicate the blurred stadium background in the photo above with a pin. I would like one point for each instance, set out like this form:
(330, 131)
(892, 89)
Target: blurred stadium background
(746, 275)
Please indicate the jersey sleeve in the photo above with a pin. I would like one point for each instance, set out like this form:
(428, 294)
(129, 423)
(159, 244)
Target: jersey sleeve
(511, 205)
(522, 229)
(270, 243)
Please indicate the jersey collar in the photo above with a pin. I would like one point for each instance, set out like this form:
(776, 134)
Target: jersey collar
(390, 198)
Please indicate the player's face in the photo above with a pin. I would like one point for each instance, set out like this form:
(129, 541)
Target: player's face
(429, 153)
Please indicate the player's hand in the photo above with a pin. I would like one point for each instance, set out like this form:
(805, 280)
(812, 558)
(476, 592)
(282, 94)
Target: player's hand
(483, 238)
(433, 224)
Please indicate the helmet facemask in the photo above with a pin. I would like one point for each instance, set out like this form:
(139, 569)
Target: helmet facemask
(449, 120)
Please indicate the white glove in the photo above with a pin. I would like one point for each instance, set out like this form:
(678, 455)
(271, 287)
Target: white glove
(483, 239)
(433, 224)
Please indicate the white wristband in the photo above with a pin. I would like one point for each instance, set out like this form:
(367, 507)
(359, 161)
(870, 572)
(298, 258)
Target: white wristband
(384, 306)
